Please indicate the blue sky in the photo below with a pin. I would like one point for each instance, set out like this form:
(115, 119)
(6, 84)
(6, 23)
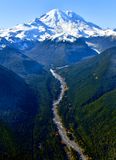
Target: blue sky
(101, 12)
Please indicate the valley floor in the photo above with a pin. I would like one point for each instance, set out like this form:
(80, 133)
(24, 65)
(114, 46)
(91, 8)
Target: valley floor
(70, 143)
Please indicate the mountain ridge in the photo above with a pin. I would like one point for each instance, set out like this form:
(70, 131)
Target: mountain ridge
(55, 24)
(88, 108)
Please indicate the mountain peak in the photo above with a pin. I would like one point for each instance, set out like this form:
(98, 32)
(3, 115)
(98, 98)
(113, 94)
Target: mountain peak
(53, 17)
(55, 24)
(59, 15)
(53, 13)
(55, 10)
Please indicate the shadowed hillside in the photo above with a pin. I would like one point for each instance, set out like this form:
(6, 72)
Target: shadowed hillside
(26, 114)
(18, 106)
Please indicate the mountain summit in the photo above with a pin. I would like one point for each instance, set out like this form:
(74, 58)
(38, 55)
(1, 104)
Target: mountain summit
(56, 24)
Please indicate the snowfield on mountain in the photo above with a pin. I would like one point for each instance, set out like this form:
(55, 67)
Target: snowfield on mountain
(56, 24)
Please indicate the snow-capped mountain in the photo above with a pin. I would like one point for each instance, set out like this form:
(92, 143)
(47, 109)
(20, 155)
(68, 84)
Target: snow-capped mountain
(56, 24)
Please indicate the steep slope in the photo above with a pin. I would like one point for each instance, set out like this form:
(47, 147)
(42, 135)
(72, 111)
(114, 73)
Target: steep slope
(55, 53)
(88, 108)
(101, 43)
(19, 63)
(18, 106)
